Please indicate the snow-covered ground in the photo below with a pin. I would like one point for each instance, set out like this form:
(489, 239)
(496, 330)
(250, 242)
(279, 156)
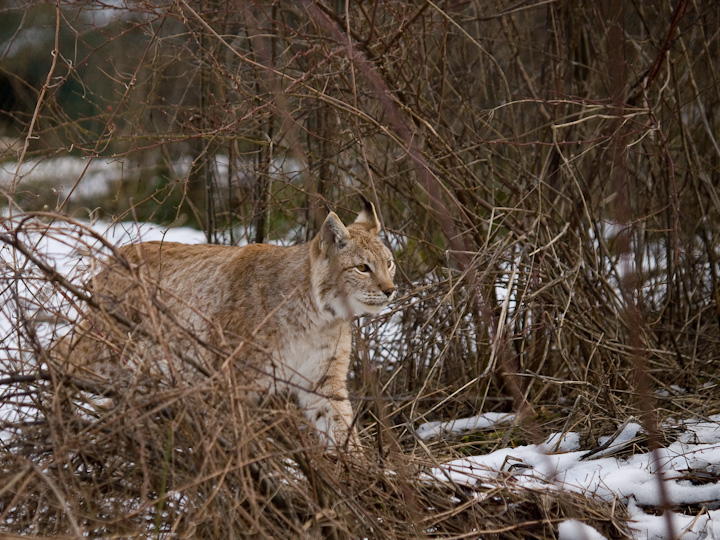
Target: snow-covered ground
(688, 467)
(93, 179)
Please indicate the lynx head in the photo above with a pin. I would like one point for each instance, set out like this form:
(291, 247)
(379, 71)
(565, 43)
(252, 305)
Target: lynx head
(352, 269)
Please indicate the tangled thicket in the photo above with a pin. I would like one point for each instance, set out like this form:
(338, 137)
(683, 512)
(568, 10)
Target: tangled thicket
(546, 173)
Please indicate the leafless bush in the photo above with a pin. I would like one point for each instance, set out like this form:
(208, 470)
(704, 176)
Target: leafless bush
(546, 174)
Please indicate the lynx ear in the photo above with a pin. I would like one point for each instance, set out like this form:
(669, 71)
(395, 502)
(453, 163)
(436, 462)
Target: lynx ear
(333, 232)
(368, 218)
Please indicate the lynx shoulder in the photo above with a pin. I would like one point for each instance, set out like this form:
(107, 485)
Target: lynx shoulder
(280, 315)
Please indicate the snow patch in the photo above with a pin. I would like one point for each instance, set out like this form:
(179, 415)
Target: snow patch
(573, 529)
(429, 430)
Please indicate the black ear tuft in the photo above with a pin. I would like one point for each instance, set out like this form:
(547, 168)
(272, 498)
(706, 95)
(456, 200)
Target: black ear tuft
(368, 207)
(368, 218)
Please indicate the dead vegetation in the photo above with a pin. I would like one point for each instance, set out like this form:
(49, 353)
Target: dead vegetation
(547, 175)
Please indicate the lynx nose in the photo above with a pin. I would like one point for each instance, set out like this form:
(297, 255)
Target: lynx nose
(388, 290)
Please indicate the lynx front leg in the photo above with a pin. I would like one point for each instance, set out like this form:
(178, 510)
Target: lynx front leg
(332, 416)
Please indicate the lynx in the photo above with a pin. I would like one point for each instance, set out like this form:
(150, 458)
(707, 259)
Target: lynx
(284, 312)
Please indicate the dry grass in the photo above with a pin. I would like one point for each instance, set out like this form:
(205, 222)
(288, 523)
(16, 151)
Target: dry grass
(564, 153)
(202, 464)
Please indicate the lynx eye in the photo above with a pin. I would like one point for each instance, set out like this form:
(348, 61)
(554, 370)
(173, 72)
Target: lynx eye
(363, 268)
